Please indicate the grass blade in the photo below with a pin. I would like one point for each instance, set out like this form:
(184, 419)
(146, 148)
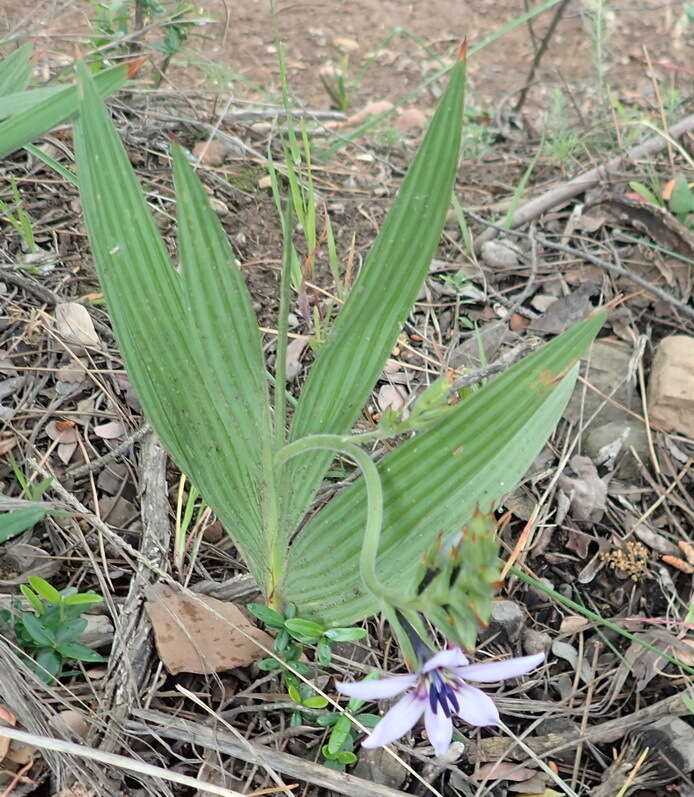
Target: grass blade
(350, 361)
(15, 70)
(155, 328)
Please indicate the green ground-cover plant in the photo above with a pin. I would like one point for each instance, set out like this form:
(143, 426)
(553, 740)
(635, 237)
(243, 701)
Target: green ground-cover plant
(48, 634)
(208, 397)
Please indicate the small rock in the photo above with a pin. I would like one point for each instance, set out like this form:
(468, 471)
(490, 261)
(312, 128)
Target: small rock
(377, 766)
(345, 44)
(671, 386)
(211, 153)
(612, 441)
(499, 255)
(374, 108)
(69, 724)
(410, 120)
(507, 618)
(534, 641)
(542, 301)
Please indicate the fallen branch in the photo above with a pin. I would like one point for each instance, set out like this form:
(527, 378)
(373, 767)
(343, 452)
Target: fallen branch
(171, 727)
(560, 193)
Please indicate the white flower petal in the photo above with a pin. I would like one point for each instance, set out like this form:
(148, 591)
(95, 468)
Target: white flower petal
(476, 708)
(439, 729)
(397, 722)
(377, 690)
(492, 671)
(453, 657)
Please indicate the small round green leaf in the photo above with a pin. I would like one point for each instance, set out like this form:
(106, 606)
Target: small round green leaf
(48, 664)
(267, 665)
(44, 589)
(82, 599)
(266, 615)
(316, 701)
(339, 735)
(32, 597)
(304, 628)
(37, 630)
(345, 757)
(294, 693)
(345, 634)
(73, 650)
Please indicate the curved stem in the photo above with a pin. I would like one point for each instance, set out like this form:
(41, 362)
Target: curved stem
(374, 508)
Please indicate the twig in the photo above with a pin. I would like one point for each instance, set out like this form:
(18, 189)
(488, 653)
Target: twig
(171, 727)
(95, 464)
(559, 11)
(560, 193)
(505, 361)
(118, 761)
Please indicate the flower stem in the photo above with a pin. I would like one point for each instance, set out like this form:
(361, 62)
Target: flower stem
(374, 508)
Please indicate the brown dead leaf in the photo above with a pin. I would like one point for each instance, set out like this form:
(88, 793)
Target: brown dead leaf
(7, 719)
(69, 724)
(572, 624)
(391, 397)
(411, 120)
(191, 637)
(687, 549)
(62, 431)
(375, 108)
(110, 431)
(587, 491)
(501, 770)
(74, 324)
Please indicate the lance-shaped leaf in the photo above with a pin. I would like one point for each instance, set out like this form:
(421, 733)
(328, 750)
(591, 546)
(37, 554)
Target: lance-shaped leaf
(434, 482)
(367, 327)
(33, 113)
(15, 70)
(187, 359)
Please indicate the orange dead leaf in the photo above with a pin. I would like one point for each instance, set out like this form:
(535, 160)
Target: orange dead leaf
(667, 189)
(134, 65)
(680, 564)
(63, 426)
(462, 52)
(687, 549)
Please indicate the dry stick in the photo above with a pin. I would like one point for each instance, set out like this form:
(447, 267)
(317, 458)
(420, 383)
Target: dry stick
(121, 448)
(558, 13)
(118, 761)
(685, 309)
(214, 739)
(560, 193)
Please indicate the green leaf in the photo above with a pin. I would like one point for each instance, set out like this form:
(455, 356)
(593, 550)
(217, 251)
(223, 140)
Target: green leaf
(345, 634)
(50, 107)
(15, 70)
(682, 197)
(44, 589)
(73, 650)
(266, 615)
(369, 720)
(327, 720)
(33, 598)
(212, 417)
(323, 652)
(294, 693)
(70, 630)
(267, 665)
(49, 664)
(37, 630)
(339, 735)
(346, 757)
(435, 481)
(82, 599)
(367, 327)
(14, 523)
(306, 628)
(644, 192)
(316, 701)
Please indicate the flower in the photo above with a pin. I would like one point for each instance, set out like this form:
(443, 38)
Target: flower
(439, 690)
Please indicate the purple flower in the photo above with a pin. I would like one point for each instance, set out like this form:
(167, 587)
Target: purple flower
(439, 690)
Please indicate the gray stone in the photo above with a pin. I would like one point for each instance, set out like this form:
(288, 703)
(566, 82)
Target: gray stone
(507, 618)
(613, 441)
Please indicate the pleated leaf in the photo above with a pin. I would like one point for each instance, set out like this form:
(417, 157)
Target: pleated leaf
(15, 70)
(434, 482)
(348, 364)
(190, 346)
(33, 113)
